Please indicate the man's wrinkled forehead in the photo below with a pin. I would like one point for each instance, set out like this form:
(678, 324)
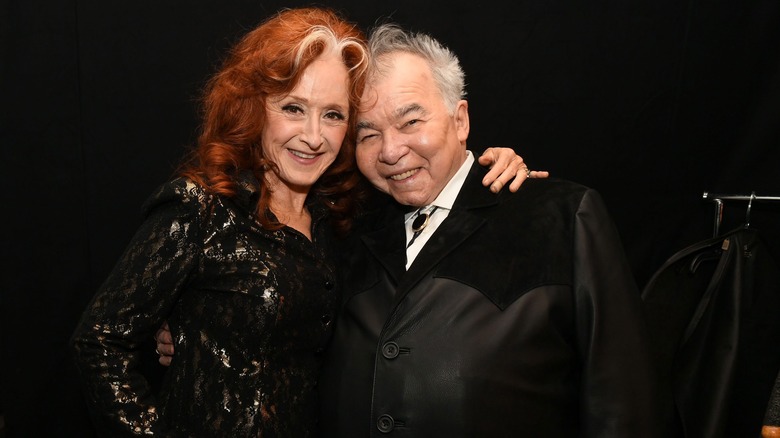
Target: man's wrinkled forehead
(368, 101)
(379, 72)
(400, 82)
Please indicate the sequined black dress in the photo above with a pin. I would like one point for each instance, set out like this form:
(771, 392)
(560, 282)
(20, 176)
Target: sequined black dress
(250, 311)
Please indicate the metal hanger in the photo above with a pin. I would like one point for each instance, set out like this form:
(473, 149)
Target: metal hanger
(747, 213)
(717, 199)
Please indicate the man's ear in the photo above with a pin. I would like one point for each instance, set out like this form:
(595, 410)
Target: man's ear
(462, 120)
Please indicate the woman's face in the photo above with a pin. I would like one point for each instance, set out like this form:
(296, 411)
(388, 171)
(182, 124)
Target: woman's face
(304, 130)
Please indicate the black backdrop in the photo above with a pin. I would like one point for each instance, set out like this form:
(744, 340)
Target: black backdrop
(652, 102)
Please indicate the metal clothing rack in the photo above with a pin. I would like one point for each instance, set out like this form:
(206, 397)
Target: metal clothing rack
(718, 198)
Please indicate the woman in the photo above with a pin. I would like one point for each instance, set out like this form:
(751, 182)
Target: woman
(237, 253)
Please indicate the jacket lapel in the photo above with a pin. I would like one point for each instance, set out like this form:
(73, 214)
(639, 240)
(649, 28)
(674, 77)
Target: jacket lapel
(387, 242)
(458, 226)
(461, 223)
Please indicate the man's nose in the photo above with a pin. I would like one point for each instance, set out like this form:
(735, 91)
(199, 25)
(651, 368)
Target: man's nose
(394, 147)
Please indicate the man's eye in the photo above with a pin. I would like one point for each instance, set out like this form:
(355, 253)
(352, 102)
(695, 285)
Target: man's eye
(411, 122)
(364, 138)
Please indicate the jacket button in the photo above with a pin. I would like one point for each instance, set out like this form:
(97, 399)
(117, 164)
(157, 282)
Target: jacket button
(326, 319)
(390, 350)
(328, 284)
(385, 423)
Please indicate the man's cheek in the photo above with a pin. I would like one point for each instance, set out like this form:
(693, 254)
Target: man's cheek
(366, 163)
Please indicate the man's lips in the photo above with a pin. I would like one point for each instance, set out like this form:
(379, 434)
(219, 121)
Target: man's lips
(404, 175)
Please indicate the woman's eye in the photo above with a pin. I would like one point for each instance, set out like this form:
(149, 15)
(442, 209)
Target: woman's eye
(334, 115)
(292, 109)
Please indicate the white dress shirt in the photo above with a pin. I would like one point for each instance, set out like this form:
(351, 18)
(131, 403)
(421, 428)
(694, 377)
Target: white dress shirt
(444, 202)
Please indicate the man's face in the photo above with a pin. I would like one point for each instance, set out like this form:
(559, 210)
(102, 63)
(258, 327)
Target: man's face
(408, 145)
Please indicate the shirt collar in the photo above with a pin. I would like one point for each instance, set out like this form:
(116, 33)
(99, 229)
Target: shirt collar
(446, 198)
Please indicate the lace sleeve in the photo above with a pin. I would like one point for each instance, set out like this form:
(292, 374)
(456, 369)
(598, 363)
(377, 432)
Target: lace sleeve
(131, 305)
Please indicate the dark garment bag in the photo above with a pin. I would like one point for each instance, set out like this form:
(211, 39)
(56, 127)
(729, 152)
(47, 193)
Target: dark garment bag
(713, 313)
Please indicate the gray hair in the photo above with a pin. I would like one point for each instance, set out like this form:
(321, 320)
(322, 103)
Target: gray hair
(445, 66)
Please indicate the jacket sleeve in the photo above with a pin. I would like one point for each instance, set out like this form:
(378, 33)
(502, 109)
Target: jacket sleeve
(618, 381)
(128, 308)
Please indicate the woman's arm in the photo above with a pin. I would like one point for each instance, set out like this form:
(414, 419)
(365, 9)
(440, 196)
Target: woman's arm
(505, 165)
(122, 316)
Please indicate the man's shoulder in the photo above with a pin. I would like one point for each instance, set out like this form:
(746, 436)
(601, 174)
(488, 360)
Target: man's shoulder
(547, 198)
(550, 189)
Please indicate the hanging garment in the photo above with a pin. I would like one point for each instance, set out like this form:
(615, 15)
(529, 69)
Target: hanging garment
(713, 313)
(772, 417)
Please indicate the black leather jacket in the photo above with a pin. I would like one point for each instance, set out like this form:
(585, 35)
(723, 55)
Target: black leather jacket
(520, 317)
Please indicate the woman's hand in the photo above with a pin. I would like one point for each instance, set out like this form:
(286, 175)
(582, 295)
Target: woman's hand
(506, 165)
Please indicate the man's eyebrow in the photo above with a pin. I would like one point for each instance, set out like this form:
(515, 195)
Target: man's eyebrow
(405, 110)
(400, 113)
(365, 124)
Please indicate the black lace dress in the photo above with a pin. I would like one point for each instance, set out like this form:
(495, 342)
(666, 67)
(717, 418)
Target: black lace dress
(250, 311)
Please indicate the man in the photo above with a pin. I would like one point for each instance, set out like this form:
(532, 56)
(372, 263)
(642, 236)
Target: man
(482, 314)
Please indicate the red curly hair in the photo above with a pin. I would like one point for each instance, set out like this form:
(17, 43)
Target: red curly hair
(268, 62)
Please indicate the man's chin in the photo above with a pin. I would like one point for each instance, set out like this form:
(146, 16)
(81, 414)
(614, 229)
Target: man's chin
(412, 200)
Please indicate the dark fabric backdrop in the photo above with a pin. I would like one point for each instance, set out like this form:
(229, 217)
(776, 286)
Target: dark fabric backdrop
(652, 102)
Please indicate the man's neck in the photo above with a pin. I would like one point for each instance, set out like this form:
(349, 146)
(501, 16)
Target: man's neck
(446, 197)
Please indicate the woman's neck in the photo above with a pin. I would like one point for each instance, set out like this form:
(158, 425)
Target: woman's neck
(289, 207)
